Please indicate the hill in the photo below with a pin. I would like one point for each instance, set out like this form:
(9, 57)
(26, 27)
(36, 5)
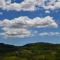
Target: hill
(33, 51)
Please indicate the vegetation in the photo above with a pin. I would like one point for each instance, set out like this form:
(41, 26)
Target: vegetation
(34, 51)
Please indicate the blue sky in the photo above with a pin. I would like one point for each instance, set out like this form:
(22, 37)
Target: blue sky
(41, 12)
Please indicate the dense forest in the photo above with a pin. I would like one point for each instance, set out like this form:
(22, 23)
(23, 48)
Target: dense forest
(33, 51)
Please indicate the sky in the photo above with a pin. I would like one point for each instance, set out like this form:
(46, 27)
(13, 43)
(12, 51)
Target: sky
(29, 21)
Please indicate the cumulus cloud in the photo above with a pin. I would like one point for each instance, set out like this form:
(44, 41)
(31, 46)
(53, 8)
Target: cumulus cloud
(22, 26)
(30, 5)
(19, 27)
(52, 4)
(25, 21)
(16, 32)
(26, 5)
(49, 34)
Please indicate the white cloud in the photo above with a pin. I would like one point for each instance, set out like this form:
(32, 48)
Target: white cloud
(49, 34)
(16, 32)
(54, 4)
(19, 27)
(27, 33)
(25, 21)
(26, 5)
(22, 26)
(47, 11)
(29, 5)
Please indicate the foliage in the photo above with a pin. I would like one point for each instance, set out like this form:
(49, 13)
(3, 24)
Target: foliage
(34, 51)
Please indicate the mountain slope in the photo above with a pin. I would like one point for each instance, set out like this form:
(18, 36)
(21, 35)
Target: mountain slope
(34, 51)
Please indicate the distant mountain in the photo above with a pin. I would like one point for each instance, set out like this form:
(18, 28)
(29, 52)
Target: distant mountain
(33, 51)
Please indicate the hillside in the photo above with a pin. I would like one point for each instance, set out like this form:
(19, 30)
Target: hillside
(33, 51)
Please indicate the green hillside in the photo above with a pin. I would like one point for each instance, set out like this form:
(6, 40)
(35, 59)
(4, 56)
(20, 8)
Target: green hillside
(33, 51)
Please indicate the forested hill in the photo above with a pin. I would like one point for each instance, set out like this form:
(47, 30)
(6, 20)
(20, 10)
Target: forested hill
(33, 51)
